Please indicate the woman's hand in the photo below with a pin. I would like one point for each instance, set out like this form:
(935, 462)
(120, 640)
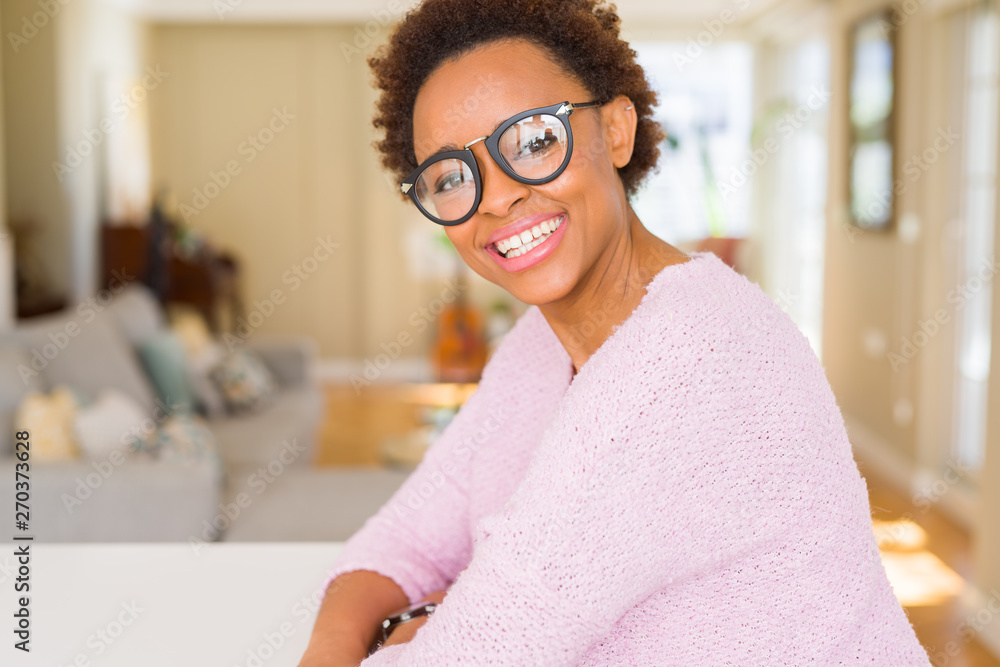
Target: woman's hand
(348, 619)
(407, 631)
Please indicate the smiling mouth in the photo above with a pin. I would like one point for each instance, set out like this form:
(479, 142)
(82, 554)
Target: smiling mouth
(518, 244)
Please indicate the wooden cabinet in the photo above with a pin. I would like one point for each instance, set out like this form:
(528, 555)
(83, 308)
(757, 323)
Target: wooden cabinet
(207, 279)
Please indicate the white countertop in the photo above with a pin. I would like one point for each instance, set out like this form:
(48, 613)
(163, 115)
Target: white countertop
(220, 605)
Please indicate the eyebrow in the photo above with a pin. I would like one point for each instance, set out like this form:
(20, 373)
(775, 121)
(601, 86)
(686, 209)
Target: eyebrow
(454, 147)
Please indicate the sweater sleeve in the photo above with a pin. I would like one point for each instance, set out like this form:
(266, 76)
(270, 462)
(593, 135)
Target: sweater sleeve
(613, 508)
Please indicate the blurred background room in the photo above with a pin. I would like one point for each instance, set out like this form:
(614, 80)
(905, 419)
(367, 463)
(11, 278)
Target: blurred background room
(221, 322)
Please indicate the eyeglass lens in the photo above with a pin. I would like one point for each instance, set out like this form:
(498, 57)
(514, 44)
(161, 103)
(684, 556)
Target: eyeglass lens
(533, 148)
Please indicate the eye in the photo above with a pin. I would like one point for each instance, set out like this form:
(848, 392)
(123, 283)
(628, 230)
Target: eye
(448, 181)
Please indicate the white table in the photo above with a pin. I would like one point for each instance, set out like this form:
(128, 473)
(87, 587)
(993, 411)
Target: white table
(111, 605)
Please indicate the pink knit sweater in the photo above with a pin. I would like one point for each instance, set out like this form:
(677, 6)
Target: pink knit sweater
(688, 498)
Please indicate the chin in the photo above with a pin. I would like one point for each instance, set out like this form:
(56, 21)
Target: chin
(548, 291)
(536, 286)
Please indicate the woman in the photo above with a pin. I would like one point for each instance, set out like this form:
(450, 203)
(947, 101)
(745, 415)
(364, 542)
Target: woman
(653, 470)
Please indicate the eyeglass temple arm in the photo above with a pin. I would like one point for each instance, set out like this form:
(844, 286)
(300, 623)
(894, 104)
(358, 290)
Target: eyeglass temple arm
(569, 108)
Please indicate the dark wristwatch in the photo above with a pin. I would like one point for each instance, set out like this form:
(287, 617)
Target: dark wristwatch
(411, 613)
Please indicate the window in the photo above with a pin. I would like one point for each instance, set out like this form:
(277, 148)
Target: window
(705, 108)
(980, 29)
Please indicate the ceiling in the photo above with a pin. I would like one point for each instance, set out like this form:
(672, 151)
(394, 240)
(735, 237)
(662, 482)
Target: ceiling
(663, 12)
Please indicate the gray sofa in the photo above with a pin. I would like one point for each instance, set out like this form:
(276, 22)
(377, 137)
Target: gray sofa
(139, 499)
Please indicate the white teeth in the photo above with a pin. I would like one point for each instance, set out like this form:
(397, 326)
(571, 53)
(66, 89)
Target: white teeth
(527, 239)
(519, 244)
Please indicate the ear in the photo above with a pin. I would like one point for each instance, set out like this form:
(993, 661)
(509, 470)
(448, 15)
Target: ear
(620, 122)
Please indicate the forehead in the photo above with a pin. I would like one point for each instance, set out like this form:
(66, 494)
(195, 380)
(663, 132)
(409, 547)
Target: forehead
(465, 98)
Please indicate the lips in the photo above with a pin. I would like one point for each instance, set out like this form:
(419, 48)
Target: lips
(538, 250)
(518, 227)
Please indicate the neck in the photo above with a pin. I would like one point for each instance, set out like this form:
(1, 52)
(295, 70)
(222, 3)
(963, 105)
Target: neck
(609, 294)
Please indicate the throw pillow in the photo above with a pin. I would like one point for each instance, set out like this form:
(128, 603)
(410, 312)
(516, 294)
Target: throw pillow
(183, 438)
(49, 420)
(210, 399)
(244, 381)
(114, 421)
(190, 327)
(202, 353)
(165, 361)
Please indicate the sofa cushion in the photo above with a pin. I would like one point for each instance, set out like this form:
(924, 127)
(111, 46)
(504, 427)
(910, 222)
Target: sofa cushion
(110, 423)
(285, 509)
(209, 398)
(288, 356)
(183, 437)
(49, 419)
(86, 352)
(190, 327)
(244, 381)
(137, 313)
(141, 500)
(165, 361)
(258, 438)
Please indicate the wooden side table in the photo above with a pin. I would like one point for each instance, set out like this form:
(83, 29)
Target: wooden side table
(208, 280)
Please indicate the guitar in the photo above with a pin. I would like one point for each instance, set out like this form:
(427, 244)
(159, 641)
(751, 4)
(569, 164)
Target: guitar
(459, 350)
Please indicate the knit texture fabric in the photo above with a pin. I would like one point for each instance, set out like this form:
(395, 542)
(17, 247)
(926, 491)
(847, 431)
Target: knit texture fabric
(688, 498)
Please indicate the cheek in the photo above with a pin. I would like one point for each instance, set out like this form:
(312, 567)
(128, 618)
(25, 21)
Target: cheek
(588, 178)
(462, 237)
(590, 155)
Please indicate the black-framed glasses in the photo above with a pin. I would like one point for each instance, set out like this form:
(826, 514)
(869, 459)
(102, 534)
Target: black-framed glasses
(532, 147)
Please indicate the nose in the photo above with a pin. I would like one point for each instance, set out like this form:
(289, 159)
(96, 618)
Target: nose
(500, 191)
